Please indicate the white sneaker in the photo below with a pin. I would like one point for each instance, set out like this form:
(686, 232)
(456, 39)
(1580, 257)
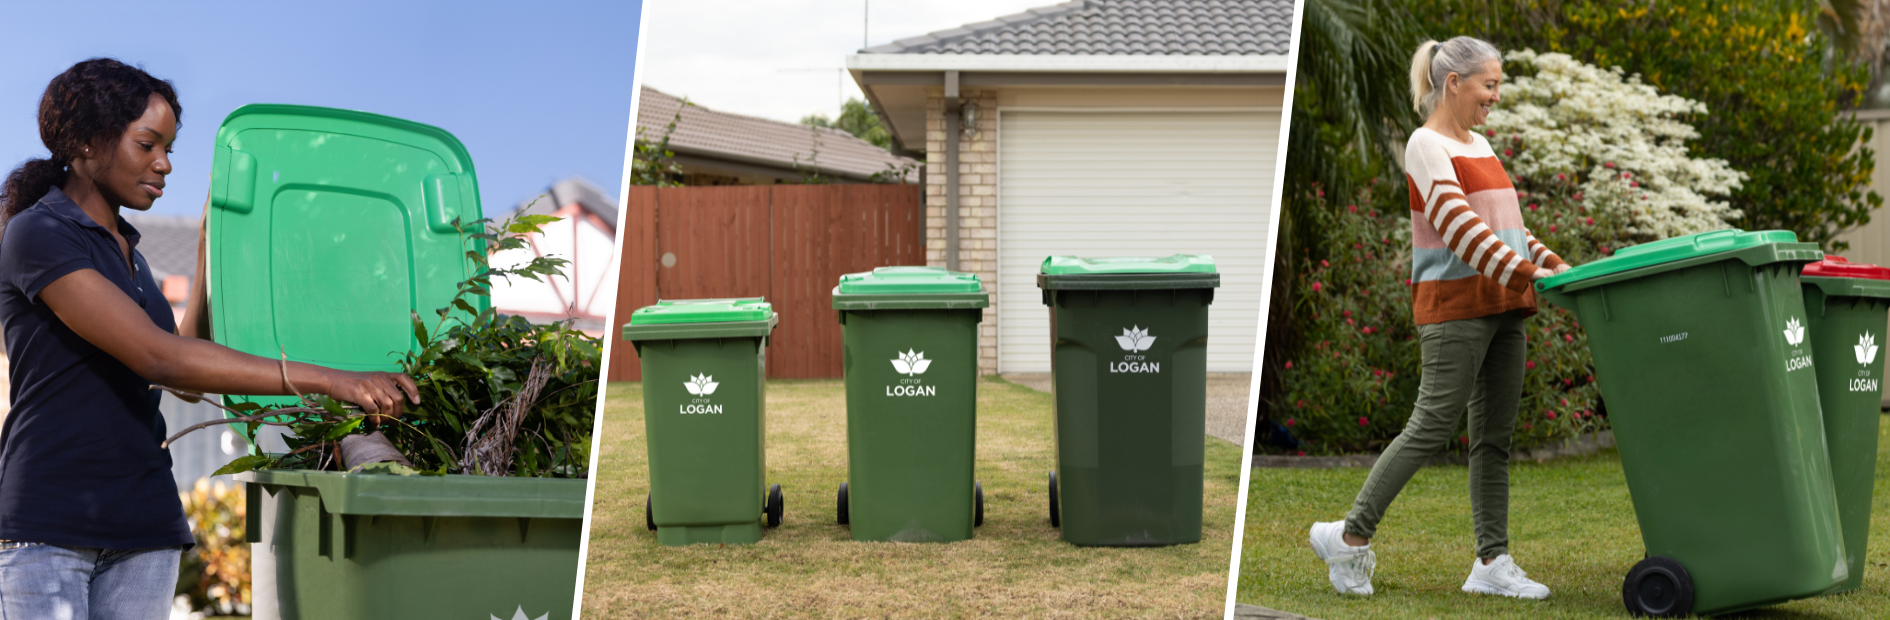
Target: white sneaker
(1502, 576)
(1350, 568)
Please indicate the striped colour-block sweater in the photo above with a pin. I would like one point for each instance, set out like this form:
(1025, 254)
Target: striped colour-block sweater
(1466, 224)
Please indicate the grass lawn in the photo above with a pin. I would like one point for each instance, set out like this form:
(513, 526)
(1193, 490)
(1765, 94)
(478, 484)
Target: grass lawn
(1016, 567)
(1571, 527)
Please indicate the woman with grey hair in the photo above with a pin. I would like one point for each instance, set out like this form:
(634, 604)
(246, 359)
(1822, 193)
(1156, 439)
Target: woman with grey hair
(1472, 262)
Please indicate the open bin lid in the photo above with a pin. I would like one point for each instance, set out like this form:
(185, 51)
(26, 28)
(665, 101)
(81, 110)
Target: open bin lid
(910, 288)
(1841, 278)
(678, 319)
(1755, 248)
(1122, 273)
(328, 230)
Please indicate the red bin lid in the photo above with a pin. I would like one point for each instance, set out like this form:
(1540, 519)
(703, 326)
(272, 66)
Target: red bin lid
(1837, 267)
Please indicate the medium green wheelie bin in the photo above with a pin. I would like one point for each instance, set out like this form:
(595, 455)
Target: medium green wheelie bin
(1846, 309)
(705, 373)
(1129, 364)
(911, 337)
(1700, 348)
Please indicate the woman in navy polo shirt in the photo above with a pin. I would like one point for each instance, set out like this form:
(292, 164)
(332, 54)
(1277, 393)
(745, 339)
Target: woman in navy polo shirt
(90, 523)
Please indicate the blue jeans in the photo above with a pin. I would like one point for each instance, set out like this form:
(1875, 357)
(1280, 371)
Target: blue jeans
(80, 583)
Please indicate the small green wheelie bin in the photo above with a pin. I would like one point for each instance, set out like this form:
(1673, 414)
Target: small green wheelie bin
(1846, 308)
(705, 373)
(911, 362)
(1700, 348)
(1128, 361)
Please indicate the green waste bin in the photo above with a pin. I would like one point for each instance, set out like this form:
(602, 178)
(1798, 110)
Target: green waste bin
(911, 343)
(329, 229)
(373, 546)
(1846, 307)
(705, 373)
(1701, 353)
(1129, 365)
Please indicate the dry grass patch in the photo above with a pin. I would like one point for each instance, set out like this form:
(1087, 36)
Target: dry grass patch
(810, 567)
(1572, 527)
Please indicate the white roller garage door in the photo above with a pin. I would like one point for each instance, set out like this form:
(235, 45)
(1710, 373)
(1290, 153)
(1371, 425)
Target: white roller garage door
(1133, 184)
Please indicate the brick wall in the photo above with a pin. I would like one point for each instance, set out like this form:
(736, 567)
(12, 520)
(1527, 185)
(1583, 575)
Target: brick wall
(977, 205)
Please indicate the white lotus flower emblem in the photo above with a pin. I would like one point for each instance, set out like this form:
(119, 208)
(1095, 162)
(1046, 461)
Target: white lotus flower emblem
(912, 363)
(701, 385)
(1794, 333)
(520, 615)
(1135, 339)
(1866, 349)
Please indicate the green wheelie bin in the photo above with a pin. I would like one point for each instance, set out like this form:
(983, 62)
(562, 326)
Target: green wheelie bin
(1129, 368)
(387, 547)
(705, 373)
(1846, 309)
(1700, 349)
(911, 361)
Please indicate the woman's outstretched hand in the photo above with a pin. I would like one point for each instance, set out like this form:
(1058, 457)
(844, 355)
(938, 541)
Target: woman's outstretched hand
(379, 394)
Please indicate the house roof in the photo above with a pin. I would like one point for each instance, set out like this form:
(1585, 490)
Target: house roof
(755, 141)
(1119, 27)
(168, 243)
(574, 189)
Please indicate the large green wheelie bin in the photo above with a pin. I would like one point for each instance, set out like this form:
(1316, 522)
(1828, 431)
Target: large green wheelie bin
(327, 231)
(1700, 348)
(911, 343)
(379, 546)
(705, 374)
(1128, 341)
(1847, 306)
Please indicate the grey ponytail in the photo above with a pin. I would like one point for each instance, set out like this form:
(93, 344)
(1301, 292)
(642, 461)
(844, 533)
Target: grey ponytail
(1434, 62)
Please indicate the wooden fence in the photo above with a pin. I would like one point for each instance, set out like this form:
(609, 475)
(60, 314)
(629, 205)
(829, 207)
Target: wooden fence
(788, 243)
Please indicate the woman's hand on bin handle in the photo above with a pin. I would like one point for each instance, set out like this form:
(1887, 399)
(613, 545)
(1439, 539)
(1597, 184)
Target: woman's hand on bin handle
(1544, 273)
(379, 394)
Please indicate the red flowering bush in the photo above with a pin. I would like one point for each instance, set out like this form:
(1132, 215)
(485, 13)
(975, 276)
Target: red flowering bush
(1352, 374)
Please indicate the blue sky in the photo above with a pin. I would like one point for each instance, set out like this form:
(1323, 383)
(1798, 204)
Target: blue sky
(537, 91)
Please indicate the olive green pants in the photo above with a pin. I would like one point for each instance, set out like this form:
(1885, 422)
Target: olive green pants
(1474, 365)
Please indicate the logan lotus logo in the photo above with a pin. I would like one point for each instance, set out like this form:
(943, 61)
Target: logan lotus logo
(912, 363)
(701, 385)
(1866, 349)
(1794, 333)
(520, 615)
(1135, 339)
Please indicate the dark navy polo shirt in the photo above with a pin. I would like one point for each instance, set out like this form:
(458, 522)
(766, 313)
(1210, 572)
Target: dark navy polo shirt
(80, 464)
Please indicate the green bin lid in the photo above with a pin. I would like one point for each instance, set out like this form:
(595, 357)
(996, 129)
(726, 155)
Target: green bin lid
(909, 281)
(329, 229)
(1181, 271)
(910, 288)
(1179, 263)
(1672, 250)
(703, 311)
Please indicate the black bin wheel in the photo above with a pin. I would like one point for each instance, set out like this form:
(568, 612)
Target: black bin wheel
(774, 507)
(1056, 520)
(1658, 587)
(977, 501)
(649, 513)
(841, 506)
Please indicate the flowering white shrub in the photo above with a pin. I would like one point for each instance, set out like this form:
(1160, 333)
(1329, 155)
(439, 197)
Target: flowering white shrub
(1622, 142)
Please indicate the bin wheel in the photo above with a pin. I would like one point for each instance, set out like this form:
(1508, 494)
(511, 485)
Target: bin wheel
(1056, 520)
(649, 513)
(774, 508)
(1659, 587)
(841, 505)
(977, 500)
